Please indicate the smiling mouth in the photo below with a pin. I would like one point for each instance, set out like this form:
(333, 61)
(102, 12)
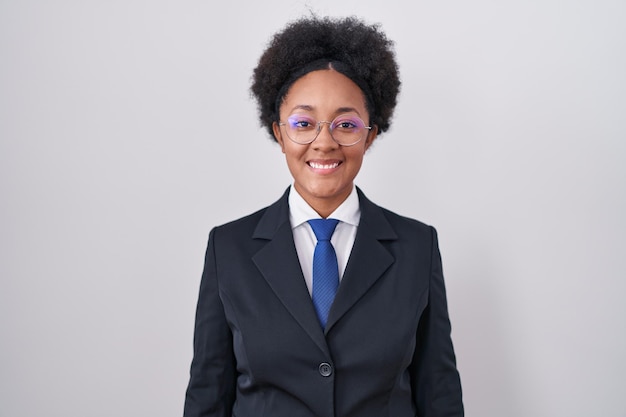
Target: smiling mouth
(317, 165)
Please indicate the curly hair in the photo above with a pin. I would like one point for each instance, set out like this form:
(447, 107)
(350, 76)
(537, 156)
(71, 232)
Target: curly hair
(360, 51)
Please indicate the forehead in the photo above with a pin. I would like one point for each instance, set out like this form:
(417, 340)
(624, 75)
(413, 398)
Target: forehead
(324, 91)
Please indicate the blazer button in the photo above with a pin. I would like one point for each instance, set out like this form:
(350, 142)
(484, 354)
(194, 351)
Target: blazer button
(325, 369)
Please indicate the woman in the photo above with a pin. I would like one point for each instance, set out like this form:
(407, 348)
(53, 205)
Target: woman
(288, 324)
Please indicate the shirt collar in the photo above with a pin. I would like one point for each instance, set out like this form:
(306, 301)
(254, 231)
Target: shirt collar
(300, 211)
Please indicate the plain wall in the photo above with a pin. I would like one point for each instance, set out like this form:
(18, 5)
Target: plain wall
(127, 132)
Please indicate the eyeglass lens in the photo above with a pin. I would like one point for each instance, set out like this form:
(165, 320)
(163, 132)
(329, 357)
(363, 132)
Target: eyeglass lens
(345, 129)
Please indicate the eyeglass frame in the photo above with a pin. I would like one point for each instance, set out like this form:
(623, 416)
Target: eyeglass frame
(318, 127)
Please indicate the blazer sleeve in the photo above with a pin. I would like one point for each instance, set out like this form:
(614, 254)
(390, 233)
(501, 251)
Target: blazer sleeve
(435, 379)
(211, 388)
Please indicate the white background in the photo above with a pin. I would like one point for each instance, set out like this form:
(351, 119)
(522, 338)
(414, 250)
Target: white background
(127, 132)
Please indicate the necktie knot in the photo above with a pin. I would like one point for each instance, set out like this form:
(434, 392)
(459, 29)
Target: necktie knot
(323, 228)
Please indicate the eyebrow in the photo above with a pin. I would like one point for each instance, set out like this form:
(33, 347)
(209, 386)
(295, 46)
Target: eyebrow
(303, 107)
(340, 110)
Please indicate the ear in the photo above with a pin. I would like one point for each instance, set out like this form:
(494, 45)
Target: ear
(278, 135)
(371, 136)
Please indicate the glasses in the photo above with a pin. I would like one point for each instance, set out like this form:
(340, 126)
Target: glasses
(345, 129)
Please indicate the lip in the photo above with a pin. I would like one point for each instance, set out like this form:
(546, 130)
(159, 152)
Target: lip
(324, 166)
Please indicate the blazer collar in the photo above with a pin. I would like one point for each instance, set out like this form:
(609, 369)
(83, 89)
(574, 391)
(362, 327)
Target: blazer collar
(368, 260)
(279, 264)
(273, 219)
(278, 213)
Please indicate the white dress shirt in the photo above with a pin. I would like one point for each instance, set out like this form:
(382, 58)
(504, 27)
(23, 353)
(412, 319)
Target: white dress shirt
(348, 214)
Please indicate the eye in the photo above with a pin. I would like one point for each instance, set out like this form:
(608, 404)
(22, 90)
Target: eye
(301, 122)
(347, 123)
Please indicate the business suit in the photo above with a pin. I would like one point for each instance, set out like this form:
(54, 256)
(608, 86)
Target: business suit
(259, 350)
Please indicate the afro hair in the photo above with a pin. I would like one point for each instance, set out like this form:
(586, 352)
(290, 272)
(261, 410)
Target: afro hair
(360, 51)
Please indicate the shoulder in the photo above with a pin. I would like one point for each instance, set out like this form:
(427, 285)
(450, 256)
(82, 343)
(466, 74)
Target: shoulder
(402, 225)
(261, 223)
(248, 221)
(404, 221)
(410, 229)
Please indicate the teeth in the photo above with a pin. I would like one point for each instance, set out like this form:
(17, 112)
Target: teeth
(322, 166)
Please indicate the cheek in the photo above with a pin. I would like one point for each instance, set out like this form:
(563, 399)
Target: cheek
(356, 156)
(291, 152)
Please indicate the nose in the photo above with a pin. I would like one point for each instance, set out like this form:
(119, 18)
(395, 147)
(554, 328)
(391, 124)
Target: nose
(324, 139)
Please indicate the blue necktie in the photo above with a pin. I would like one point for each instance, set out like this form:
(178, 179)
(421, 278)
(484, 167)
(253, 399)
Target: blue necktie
(325, 268)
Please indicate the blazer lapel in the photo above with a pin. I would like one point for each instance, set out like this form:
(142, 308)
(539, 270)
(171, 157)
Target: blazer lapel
(278, 263)
(368, 260)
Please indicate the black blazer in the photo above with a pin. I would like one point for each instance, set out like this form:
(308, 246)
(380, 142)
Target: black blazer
(259, 350)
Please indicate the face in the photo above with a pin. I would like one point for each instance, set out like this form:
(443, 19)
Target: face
(323, 170)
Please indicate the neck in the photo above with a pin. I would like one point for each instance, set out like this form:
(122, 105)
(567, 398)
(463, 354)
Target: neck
(324, 211)
(324, 206)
